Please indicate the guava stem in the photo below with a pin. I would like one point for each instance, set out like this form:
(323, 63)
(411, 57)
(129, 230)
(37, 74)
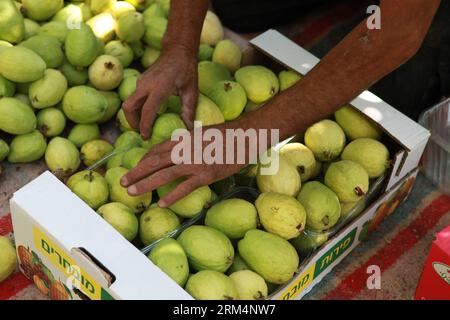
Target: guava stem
(227, 86)
(359, 192)
(90, 176)
(326, 220)
(299, 227)
(301, 169)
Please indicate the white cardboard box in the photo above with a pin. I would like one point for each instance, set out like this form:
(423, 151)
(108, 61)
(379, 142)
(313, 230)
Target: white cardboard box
(77, 247)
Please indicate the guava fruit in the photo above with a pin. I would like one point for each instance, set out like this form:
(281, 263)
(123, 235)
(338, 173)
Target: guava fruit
(16, 117)
(149, 57)
(122, 122)
(120, 194)
(71, 14)
(190, 205)
(99, 6)
(106, 73)
(119, 8)
(154, 10)
(31, 28)
(322, 206)
(281, 214)
(251, 106)
(76, 76)
(234, 217)
(165, 125)
(114, 161)
(12, 27)
(48, 48)
(249, 285)
(207, 112)
(23, 98)
(238, 264)
(27, 147)
(121, 50)
(326, 140)
(7, 88)
(212, 31)
(348, 179)
(207, 248)
(130, 27)
(132, 157)
(169, 256)
(91, 187)
(155, 28)
(260, 83)
(228, 54)
(288, 78)
(127, 87)
(230, 97)
(285, 180)
(4, 150)
(128, 138)
(62, 157)
(165, 5)
(205, 52)
(174, 104)
(121, 218)
(130, 72)
(155, 223)
(48, 91)
(82, 133)
(300, 156)
(307, 242)
(8, 259)
(41, 10)
(113, 105)
(269, 255)
(20, 64)
(211, 285)
(84, 105)
(210, 73)
(94, 150)
(51, 122)
(81, 46)
(55, 29)
(371, 154)
(347, 209)
(356, 125)
(5, 44)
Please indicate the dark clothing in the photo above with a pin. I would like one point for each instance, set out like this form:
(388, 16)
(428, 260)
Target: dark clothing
(412, 88)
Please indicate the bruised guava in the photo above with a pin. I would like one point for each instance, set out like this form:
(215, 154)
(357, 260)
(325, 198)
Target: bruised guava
(300, 156)
(48, 91)
(82, 133)
(288, 78)
(16, 117)
(228, 54)
(211, 285)
(281, 214)
(169, 256)
(106, 73)
(326, 140)
(132, 157)
(212, 31)
(234, 217)
(356, 125)
(8, 259)
(249, 285)
(207, 112)
(62, 157)
(371, 154)
(307, 242)
(259, 82)
(91, 187)
(83, 104)
(207, 248)
(230, 97)
(269, 255)
(121, 50)
(27, 147)
(94, 150)
(121, 218)
(51, 122)
(210, 73)
(155, 223)
(322, 206)
(348, 179)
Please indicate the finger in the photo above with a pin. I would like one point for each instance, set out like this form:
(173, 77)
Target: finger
(150, 109)
(145, 168)
(182, 190)
(162, 147)
(189, 99)
(132, 108)
(158, 179)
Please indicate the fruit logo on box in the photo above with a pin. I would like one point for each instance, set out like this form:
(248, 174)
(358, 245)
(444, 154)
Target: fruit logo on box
(443, 271)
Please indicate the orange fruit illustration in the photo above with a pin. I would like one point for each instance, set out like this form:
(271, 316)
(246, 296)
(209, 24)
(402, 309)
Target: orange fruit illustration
(40, 284)
(58, 291)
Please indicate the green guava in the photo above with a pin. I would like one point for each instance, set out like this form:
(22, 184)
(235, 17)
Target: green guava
(81, 46)
(281, 214)
(84, 105)
(288, 78)
(121, 50)
(322, 206)
(27, 147)
(82, 133)
(94, 150)
(4, 149)
(16, 117)
(259, 82)
(42, 10)
(169, 256)
(251, 106)
(356, 125)
(228, 54)
(48, 91)
(106, 73)
(128, 139)
(269, 255)
(190, 205)
(154, 10)
(55, 29)
(238, 264)
(325, 139)
(150, 56)
(122, 122)
(300, 156)
(130, 72)
(90, 187)
(155, 223)
(99, 6)
(121, 218)
(207, 248)
(138, 49)
(21, 65)
(127, 87)
(205, 52)
(234, 217)
(8, 258)
(371, 154)
(155, 28)
(62, 157)
(348, 179)
(212, 31)
(48, 48)
(230, 97)
(347, 209)
(165, 125)
(31, 28)
(51, 122)
(207, 112)
(12, 27)
(130, 27)
(307, 242)
(211, 285)
(249, 285)
(23, 98)
(7, 88)
(210, 73)
(113, 105)
(76, 76)
(114, 161)
(132, 157)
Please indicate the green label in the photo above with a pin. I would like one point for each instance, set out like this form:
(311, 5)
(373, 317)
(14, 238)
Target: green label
(335, 252)
(106, 295)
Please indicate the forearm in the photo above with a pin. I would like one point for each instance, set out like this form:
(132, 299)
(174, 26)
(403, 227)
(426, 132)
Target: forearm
(185, 24)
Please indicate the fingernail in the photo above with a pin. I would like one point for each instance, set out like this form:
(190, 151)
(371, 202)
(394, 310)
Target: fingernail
(124, 182)
(132, 190)
(162, 204)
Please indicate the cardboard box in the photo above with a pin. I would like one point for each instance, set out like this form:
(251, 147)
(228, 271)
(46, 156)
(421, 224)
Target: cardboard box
(74, 246)
(435, 280)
